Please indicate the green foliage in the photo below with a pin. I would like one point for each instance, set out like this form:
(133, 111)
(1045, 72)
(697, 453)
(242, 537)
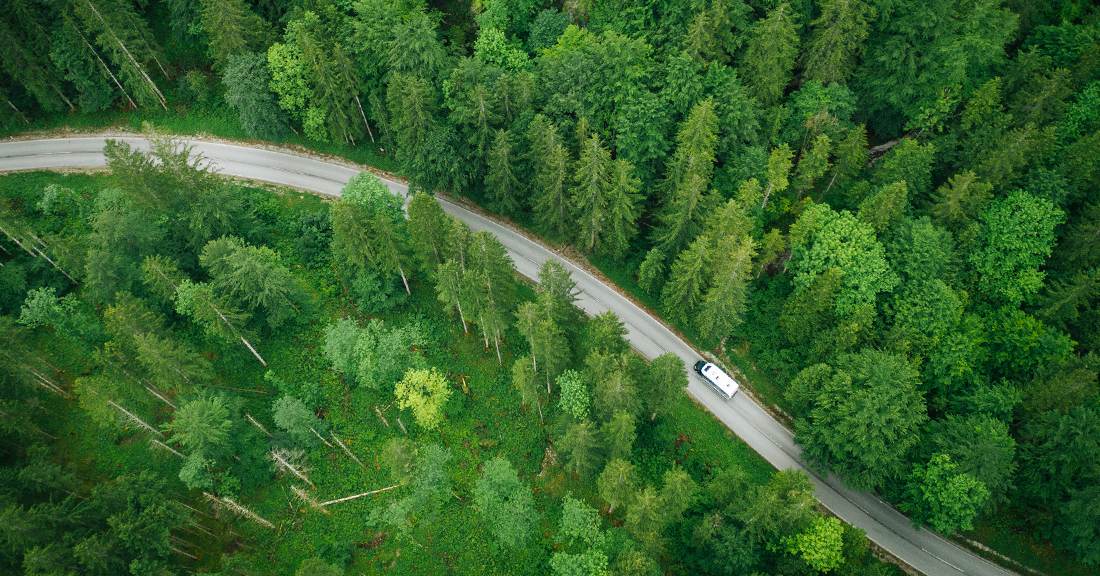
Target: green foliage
(249, 81)
(822, 240)
(425, 392)
(1018, 235)
(505, 503)
(202, 423)
(771, 53)
(574, 394)
(317, 567)
(942, 498)
(292, 415)
(836, 39)
(821, 545)
(863, 417)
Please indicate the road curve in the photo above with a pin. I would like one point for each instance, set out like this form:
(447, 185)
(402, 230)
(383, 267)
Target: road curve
(923, 550)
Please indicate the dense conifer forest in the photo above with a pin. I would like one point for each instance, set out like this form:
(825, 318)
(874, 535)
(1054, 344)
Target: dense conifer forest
(885, 213)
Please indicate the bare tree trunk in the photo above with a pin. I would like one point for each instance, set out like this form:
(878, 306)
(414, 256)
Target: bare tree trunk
(106, 69)
(257, 424)
(496, 343)
(160, 444)
(345, 499)
(347, 450)
(148, 46)
(402, 425)
(361, 113)
(17, 111)
(163, 101)
(766, 195)
(278, 458)
(384, 421)
(319, 436)
(240, 509)
(312, 503)
(404, 280)
(139, 421)
(158, 395)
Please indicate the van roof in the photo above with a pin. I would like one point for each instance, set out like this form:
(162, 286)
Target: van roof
(720, 379)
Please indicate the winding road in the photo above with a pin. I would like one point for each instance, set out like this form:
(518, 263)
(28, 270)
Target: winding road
(923, 550)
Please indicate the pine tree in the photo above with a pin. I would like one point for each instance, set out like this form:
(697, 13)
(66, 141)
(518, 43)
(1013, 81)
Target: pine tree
(232, 29)
(502, 186)
(683, 216)
(779, 167)
(687, 281)
(617, 483)
(549, 160)
(724, 303)
(428, 226)
(664, 381)
(836, 41)
(696, 143)
(590, 195)
(390, 253)
(770, 54)
(651, 273)
(249, 91)
(492, 278)
(623, 209)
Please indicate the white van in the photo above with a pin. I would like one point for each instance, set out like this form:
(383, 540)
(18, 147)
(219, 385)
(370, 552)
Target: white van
(719, 380)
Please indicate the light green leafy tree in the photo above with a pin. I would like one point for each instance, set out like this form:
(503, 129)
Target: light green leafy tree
(821, 545)
(822, 240)
(942, 498)
(1017, 237)
(425, 392)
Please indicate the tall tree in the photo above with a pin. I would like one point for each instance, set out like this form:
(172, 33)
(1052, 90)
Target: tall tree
(505, 503)
(425, 392)
(617, 483)
(943, 498)
(249, 81)
(687, 281)
(231, 28)
(664, 381)
(863, 418)
(592, 191)
(623, 209)
(428, 227)
(771, 52)
(724, 302)
(836, 40)
(1017, 238)
(822, 240)
(503, 187)
(550, 161)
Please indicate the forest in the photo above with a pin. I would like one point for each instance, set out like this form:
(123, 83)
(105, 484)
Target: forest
(884, 213)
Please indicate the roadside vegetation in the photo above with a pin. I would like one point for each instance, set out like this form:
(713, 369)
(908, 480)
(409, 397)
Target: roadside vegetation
(884, 215)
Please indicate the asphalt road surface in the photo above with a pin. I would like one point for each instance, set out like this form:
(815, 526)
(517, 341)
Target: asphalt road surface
(923, 550)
